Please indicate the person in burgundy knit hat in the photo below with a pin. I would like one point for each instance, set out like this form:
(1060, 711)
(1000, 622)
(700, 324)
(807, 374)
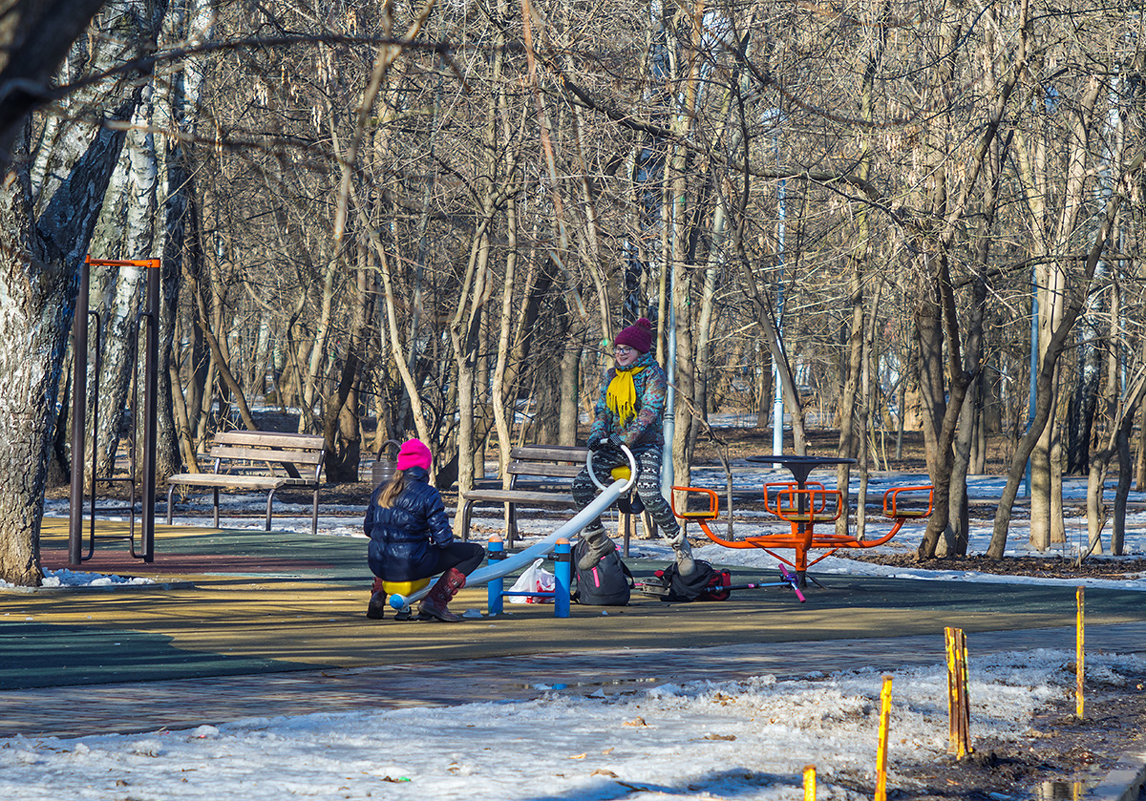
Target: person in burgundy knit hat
(630, 412)
(638, 336)
(411, 538)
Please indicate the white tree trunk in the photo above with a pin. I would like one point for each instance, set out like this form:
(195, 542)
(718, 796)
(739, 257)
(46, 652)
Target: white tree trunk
(44, 242)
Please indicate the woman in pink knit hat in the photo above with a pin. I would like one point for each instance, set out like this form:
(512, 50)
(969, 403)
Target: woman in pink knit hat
(411, 538)
(630, 412)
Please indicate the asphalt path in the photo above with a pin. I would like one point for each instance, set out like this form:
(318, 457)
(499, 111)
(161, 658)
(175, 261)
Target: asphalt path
(241, 623)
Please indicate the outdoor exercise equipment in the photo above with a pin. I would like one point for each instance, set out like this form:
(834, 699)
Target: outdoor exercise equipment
(150, 316)
(803, 504)
(499, 568)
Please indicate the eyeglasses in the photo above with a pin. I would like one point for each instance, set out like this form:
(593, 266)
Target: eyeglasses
(623, 349)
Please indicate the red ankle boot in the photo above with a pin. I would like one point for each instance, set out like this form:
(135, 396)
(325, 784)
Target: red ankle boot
(376, 609)
(433, 606)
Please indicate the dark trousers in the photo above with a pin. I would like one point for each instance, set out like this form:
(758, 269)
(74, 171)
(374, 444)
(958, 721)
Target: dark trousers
(647, 487)
(465, 556)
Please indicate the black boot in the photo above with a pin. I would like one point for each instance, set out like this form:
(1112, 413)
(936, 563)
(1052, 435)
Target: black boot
(433, 606)
(376, 609)
(597, 545)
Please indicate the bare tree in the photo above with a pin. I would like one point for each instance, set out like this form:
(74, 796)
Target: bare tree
(44, 231)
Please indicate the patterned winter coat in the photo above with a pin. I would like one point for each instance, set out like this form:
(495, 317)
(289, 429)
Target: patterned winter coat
(646, 429)
(404, 536)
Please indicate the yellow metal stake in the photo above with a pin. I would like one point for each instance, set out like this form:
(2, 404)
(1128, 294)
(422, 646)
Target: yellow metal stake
(1079, 651)
(965, 706)
(881, 752)
(958, 697)
(952, 692)
(809, 783)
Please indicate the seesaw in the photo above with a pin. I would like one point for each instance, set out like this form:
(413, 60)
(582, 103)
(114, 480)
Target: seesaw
(542, 548)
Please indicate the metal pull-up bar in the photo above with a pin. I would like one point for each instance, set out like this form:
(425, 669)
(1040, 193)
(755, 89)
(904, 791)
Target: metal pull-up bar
(79, 404)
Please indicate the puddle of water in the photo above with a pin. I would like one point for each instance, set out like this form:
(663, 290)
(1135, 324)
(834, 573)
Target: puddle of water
(1060, 791)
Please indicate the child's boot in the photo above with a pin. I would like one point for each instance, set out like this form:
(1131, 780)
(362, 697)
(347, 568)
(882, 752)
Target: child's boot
(682, 551)
(376, 609)
(597, 545)
(433, 606)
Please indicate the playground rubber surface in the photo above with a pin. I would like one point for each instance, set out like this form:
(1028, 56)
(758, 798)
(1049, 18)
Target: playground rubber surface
(250, 623)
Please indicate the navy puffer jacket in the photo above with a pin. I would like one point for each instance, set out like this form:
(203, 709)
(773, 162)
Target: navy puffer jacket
(403, 537)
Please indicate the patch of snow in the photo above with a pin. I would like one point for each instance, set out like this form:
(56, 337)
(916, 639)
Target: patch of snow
(71, 578)
(743, 740)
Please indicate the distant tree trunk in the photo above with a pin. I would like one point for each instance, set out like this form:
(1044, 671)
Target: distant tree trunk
(1047, 524)
(957, 534)
(979, 398)
(680, 254)
(932, 388)
(340, 425)
(1096, 511)
(550, 383)
(568, 411)
(853, 368)
(857, 266)
(1047, 367)
(1084, 401)
(1115, 409)
(952, 211)
(505, 404)
(704, 323)
(763, 370)
(1118, 533)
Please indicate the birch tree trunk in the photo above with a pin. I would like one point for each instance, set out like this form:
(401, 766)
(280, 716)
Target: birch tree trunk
(177, 112)
(125, 231)
(1047, 524)
(45, 230)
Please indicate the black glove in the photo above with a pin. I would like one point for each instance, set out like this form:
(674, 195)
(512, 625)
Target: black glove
(595, 444)
(610, 449)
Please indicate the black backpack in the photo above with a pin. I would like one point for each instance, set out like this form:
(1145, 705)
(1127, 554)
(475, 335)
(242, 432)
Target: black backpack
(607, 583)
(705, 583)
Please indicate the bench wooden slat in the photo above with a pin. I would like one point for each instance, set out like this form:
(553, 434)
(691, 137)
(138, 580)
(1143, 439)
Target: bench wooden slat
(270, 439)
(521, 497)
(266, 454)
(232, 480)
(543, 469)
(240, 480)
(551, 453)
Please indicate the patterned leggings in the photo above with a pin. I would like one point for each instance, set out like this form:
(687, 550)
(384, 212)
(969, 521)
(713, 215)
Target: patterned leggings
(647, 488)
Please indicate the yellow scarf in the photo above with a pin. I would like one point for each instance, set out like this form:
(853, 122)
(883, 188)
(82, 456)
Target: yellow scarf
(621, 396)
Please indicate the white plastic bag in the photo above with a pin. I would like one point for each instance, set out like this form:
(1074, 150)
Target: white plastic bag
(535, 579)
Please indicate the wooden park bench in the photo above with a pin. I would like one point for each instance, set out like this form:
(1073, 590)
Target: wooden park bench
(250, 461)
(541, 477)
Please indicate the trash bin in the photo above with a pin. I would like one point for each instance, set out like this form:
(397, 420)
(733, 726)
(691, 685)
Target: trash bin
(384, 469)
